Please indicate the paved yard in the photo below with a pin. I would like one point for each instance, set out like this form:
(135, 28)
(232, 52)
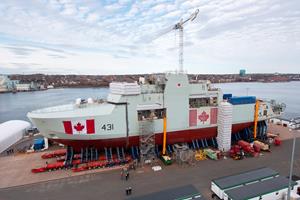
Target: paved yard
(107, 185)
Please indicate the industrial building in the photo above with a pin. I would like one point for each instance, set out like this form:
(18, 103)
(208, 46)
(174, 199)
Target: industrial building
(242, 72)
(6, 84)
(23, 87)
(271, 189)
(186, 192)
(221, 185)
(259, 184)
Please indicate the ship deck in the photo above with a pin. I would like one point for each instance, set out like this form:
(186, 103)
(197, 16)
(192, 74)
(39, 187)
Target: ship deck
(17, 182)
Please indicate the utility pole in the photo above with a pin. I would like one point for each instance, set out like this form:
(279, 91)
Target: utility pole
(293, 125)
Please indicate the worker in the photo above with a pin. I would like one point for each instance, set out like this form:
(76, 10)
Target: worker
(122, 174)
(127, 175)
(129, 190)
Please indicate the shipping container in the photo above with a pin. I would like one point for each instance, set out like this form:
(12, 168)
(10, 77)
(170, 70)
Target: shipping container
(38, 143)
(227, 96)
(242, 100)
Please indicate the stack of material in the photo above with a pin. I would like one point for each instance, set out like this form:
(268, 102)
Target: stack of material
(125, 88)
(211, 154)
(199, 155)
(224, 126)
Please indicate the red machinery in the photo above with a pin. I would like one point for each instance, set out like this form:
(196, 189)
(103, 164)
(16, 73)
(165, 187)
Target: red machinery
(256, 147)
(60, 164)
(277, 141)
(237, 152)
(56, 153)
(245, 146)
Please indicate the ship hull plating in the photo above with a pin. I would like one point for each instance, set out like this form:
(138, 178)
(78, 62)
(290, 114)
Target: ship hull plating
(172, 138)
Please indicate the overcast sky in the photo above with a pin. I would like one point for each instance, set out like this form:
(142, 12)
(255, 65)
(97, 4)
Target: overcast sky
(121, 37)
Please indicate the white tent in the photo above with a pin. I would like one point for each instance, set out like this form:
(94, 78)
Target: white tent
(11, 132)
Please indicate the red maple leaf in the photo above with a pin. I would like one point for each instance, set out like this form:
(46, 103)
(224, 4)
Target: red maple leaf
(203, 117)
(79, 127)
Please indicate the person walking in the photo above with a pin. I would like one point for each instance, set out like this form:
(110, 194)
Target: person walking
(122, 174)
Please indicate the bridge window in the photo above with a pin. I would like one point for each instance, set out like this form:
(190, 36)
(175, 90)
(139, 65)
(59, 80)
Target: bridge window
(151, 114)
(205, 101)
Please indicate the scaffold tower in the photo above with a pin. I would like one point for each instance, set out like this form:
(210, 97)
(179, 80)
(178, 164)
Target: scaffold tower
(147, 139)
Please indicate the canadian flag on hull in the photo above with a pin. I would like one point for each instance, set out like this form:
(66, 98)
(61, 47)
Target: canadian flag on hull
(79, 127)
(203, 116)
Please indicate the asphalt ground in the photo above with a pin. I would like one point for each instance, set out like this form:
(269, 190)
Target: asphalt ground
(108, 185)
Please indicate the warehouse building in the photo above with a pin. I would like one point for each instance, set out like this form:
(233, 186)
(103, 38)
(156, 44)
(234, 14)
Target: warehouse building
(220, 185)
(271, 189)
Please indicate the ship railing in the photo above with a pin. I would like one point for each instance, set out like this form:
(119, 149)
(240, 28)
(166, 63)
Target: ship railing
(67, 107)
(176, 72)
(277, 107)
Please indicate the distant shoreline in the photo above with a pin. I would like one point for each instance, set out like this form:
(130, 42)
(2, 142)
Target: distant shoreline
(107, 86)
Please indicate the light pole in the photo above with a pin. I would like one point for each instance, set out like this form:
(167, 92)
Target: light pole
(292, 125)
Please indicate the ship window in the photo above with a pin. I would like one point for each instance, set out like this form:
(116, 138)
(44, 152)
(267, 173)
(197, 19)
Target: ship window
(265, 112)
(151, 114)
(206, 101)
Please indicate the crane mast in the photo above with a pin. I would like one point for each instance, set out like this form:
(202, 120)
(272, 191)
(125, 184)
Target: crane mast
(180, 50)
(179, 26)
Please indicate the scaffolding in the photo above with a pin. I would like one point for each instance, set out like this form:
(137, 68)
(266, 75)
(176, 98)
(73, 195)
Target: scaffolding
(183, 154)
(147, 140)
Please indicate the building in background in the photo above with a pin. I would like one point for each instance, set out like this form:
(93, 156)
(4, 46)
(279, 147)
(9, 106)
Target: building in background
(23, 87)
(3, 83)
(7, 85)
(242, 72)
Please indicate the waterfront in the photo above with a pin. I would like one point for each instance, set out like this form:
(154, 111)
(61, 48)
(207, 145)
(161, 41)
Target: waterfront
(16, 106)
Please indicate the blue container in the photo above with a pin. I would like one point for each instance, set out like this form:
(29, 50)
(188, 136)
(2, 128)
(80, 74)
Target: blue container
(242, 100)
(227, 96)
(38, 143)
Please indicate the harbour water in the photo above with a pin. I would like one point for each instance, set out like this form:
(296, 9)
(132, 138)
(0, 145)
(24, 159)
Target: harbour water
(16, 106)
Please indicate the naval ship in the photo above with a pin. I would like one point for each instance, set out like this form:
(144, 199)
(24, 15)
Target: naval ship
(189, 108)
(165, 108)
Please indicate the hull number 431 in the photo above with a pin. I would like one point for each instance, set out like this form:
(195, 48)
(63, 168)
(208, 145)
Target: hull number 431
(107, 127)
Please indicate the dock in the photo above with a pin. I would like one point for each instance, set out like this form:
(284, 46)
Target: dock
(18, 182)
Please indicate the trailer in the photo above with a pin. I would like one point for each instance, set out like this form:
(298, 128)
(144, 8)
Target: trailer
(221, 185)
(271, 189)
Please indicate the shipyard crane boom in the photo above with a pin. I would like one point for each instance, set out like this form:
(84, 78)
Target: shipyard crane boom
(179, 26)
